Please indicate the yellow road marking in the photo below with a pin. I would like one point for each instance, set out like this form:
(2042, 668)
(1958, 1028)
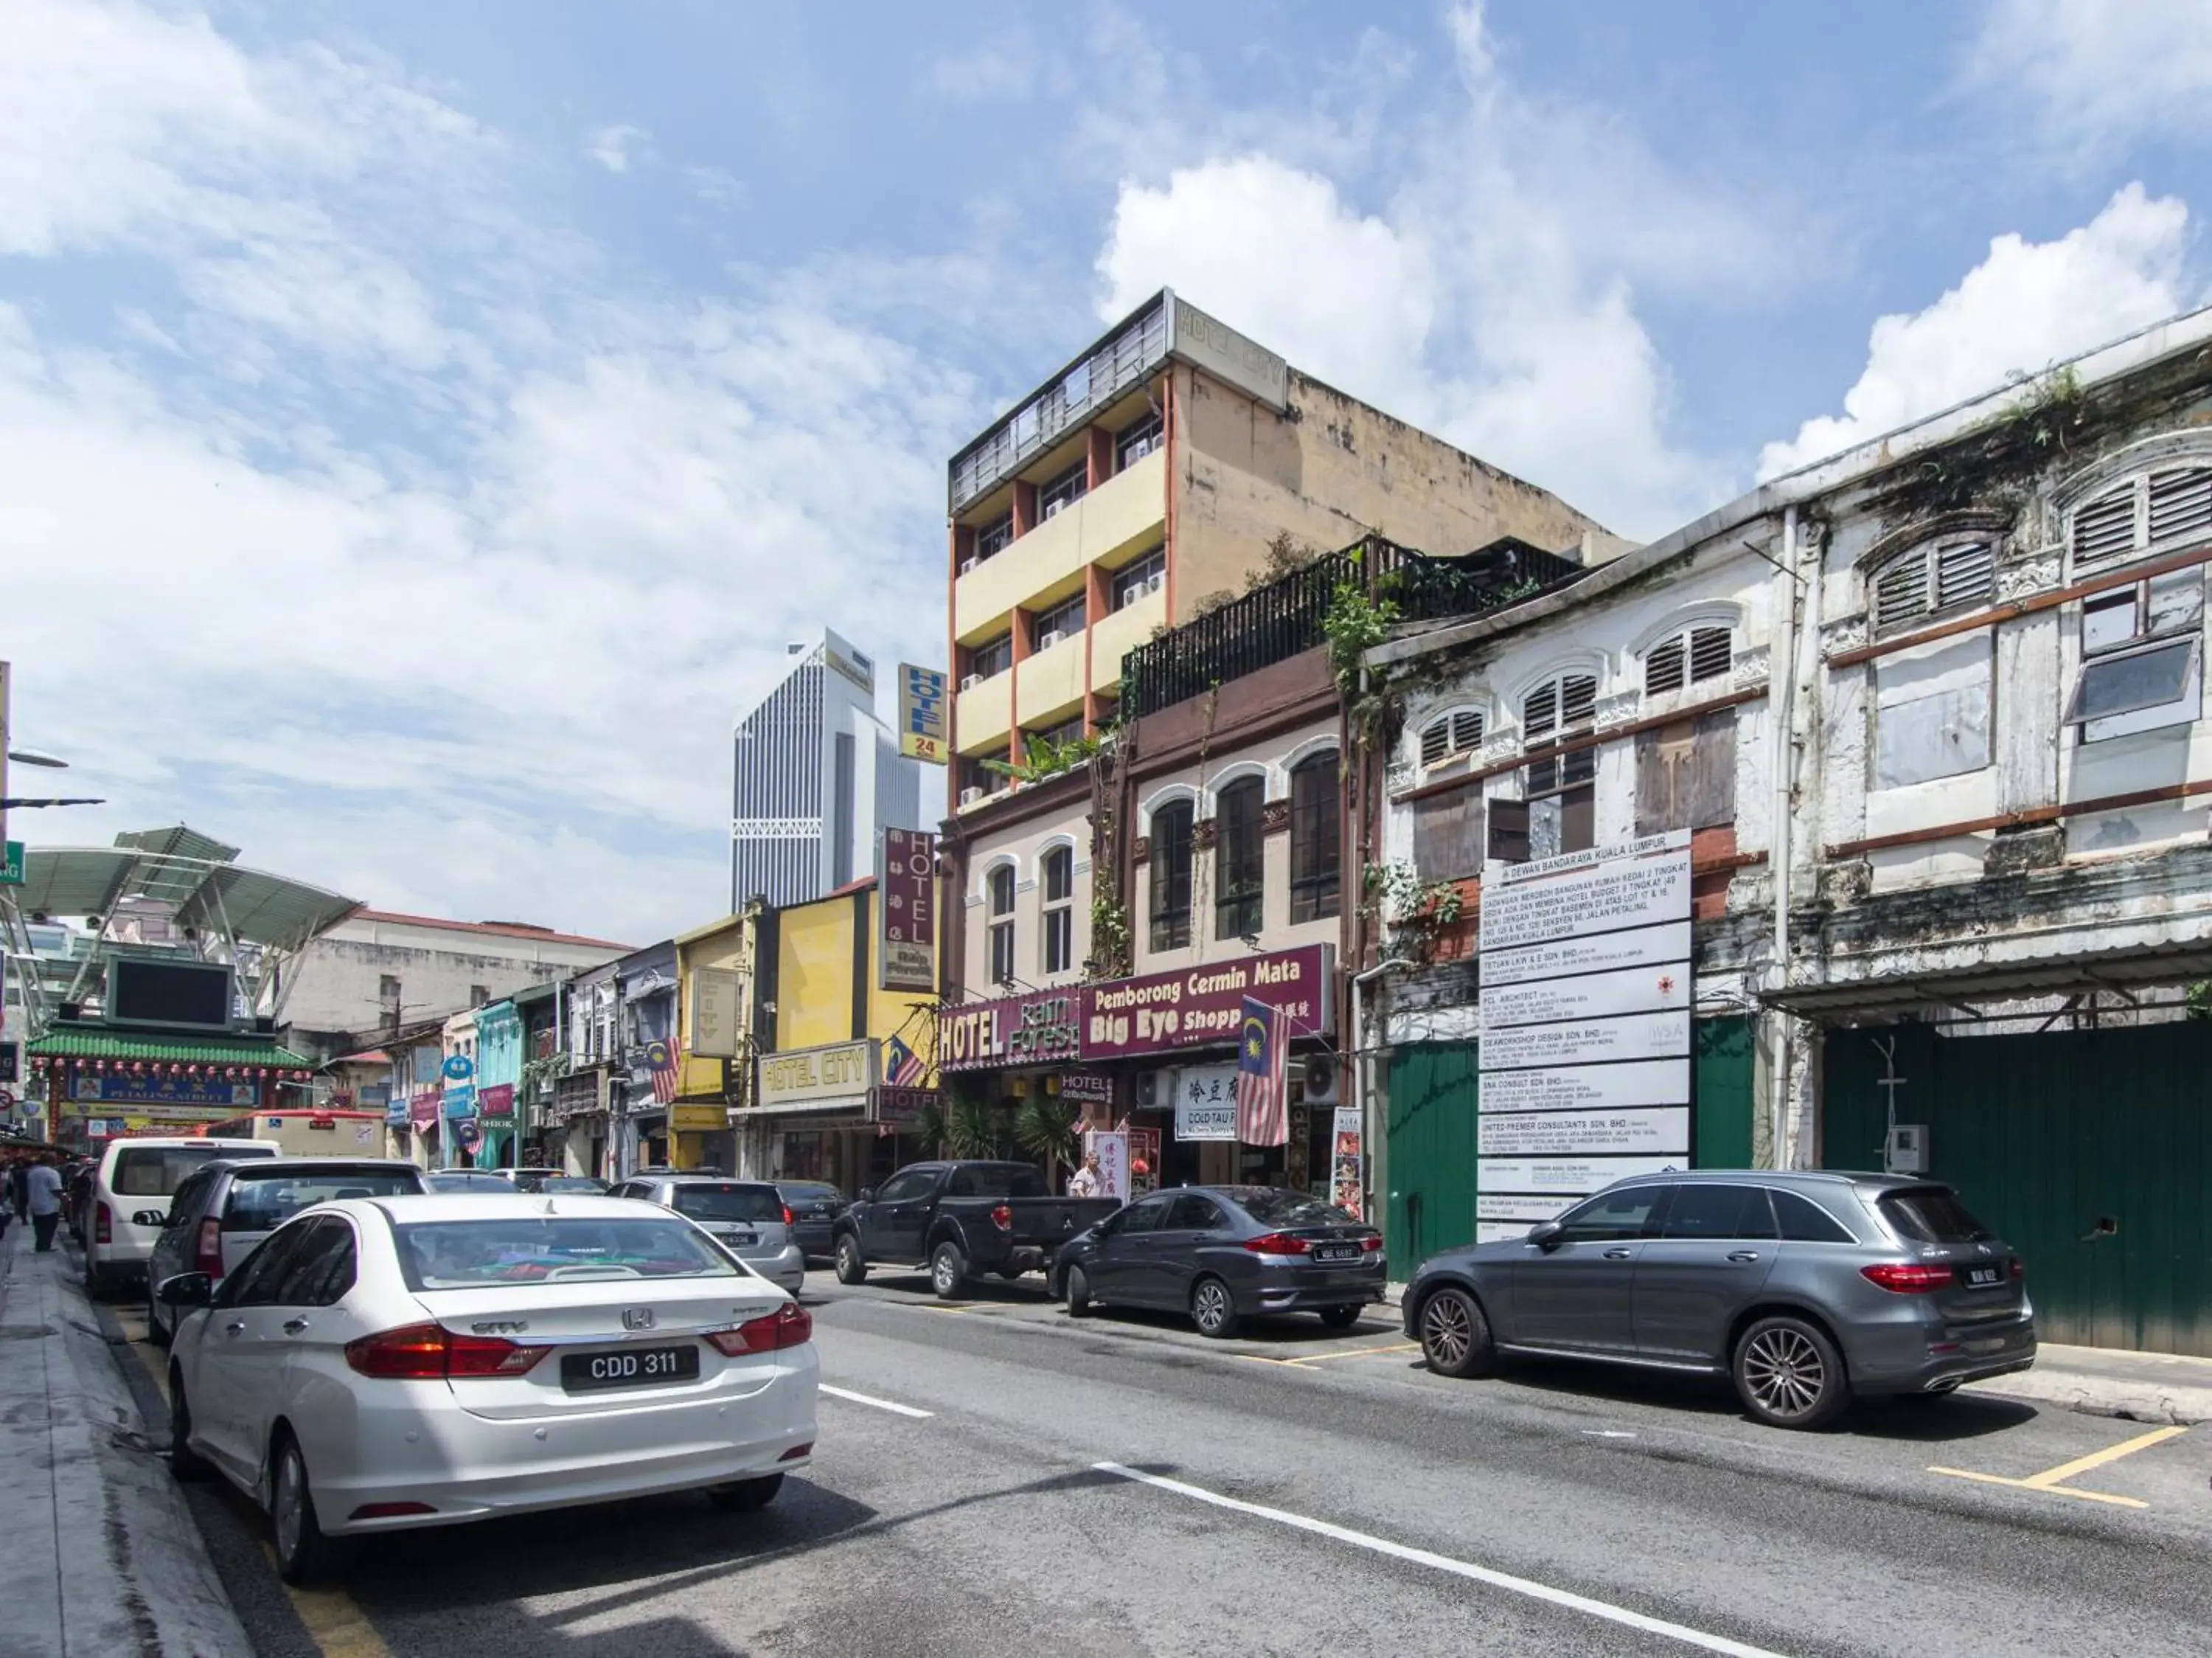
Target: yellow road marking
(2051, 1479)
(1305, 1359)
(333, 1621)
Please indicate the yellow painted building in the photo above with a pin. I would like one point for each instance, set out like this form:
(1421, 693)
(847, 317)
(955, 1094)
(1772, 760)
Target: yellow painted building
(823, 992)
(707, 1087)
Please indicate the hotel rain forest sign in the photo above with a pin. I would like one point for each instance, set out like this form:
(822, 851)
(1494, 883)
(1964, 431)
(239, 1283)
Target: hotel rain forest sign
(1585, 1028)
(1136, 1018)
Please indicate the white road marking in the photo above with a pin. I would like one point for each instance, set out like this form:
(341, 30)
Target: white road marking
(1497, 1580)
(880, 1404)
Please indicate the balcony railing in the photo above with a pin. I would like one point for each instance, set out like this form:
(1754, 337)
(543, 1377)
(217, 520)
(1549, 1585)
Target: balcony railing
(1284, 619)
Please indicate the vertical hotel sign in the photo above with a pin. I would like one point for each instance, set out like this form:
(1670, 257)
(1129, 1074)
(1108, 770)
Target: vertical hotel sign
(1585, 1028)
(906, 911)
(924, 733)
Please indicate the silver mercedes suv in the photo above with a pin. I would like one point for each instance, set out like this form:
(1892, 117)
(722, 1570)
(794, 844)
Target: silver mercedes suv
(1808, 1289)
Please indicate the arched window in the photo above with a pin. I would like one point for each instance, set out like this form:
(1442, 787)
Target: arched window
(1934, 579)
(2154, 512)
(1316, 838)
(1561, 790)
(1002, 924)
(1690, 657)
(1239, 866)
(1450, 735)
(1170, 867)
(1059, 882)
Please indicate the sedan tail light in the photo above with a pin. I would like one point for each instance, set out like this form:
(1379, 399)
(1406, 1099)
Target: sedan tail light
(1002, 1217)
(788, 1221)
(789, 1326)
(207, 1250)
(103, 1224)
(430, 1352)
(2018, 1267)
(1908, 1277)
(1369, 1245)
(1278, 1243)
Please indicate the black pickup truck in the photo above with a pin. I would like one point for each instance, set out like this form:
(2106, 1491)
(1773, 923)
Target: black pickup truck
(961, 1220)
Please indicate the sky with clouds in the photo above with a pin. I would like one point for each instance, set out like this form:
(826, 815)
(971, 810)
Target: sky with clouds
(422, 426)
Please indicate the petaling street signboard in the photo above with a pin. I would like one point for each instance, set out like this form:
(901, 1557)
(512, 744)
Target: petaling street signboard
(1158, 1013)
(1586, 1003)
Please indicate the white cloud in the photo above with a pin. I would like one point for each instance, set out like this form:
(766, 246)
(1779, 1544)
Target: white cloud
(2026, 306)
(2092, 74)
(384, 533)
(1486, 295)
(614, 146)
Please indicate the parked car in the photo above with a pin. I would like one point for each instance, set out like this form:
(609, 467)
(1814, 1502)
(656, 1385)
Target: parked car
(960, 1219)
(128, 1202)
(385, 1363)
(813, 1205)
(746, 1217)
(468, 1180)
(554, 1180)
(1806, 1289)
(225, 1208)
(1226, 1253)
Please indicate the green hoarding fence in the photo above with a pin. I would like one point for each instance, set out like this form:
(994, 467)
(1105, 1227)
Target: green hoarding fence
(2086, 1150)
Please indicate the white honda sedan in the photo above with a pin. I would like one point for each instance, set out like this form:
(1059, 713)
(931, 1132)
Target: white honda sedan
(381, 1364)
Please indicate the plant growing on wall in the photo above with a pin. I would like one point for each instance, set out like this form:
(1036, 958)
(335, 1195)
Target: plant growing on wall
(1354, 624)
(1043, 1129)
(1109, 929)
(1044, 757)
(1416, 913)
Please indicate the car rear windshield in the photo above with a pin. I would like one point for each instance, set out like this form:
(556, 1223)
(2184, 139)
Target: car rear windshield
(572, 1183)
(262, 1200)
(530, 1249)
(809, 1192)
(1292, 1209)
(1932, 1214)
(728, 1200)
(469, 1183)
(995, 1180)
(158, 1170)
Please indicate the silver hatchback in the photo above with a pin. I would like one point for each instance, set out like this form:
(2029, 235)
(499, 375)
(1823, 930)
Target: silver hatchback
(1807, 1290)
(747, 1218)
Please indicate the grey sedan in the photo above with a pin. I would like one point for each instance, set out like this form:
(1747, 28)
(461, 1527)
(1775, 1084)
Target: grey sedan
(814, 1206)
(1226, 1253)
(1805, 1288)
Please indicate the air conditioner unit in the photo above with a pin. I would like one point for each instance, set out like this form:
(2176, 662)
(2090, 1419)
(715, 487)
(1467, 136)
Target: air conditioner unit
(968, 566)
(1129, 596)
(1153, 1089)
(1156, 580)
(971, 793)
(1049, 638)
(970, 681)
(1322, 1075)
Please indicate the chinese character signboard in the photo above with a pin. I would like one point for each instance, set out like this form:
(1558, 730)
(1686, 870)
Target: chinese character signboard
(1205, 1102)
(906, 911)
(923, 731)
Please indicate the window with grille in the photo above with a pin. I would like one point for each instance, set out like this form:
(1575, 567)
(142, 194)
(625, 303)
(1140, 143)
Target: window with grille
(1448, 736)
(1002, 923)
(1134, 582)
(1690, 657)
(1136, 441)
(2158, 511)
(1059, 882)
(995, 537)
(1065, 619)
(1063, 490)
(1561, 790)
(1170, 875)
(993, 656)
(1239, 881)
(1933, 581)
(1316, 839)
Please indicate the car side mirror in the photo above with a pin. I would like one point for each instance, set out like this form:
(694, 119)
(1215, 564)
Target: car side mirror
(150, 1217)
(1545, 1235)
(867, 1194)
(186, 1289)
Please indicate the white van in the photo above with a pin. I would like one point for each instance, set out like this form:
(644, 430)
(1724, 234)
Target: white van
(129, 1201)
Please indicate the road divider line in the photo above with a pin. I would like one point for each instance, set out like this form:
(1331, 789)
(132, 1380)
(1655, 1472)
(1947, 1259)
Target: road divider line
(880, 1404)
(1497, 1580)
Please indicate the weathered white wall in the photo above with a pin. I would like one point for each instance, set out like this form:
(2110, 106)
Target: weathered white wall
(1025, 845)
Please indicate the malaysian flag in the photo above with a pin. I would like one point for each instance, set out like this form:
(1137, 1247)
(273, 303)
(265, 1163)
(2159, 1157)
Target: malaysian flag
(660, 1065)
(902, 1066)
(1263, 1112)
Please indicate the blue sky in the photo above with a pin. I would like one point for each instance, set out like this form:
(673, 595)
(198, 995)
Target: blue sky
(421, 425)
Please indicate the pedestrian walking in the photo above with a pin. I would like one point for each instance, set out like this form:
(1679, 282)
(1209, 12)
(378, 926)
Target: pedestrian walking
(1087, 1181)
(44, 1185)
(19, 1191)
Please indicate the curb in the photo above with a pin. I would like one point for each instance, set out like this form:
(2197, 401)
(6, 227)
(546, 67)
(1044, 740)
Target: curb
(2103, 1396)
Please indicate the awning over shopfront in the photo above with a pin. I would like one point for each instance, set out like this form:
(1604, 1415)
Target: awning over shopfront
(1965, 989)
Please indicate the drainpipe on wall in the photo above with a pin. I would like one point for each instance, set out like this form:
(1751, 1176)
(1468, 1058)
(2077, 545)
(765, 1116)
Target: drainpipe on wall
(1788, 592)
(1378, 1156)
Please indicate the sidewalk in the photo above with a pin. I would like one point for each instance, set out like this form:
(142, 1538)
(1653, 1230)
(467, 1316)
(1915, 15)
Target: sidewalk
(99, 1556)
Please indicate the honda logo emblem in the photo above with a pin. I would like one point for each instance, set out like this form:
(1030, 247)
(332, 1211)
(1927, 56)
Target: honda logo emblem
(638, 1318)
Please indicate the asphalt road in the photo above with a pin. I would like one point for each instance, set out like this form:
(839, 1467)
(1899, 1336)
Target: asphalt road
(1118, 1485)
